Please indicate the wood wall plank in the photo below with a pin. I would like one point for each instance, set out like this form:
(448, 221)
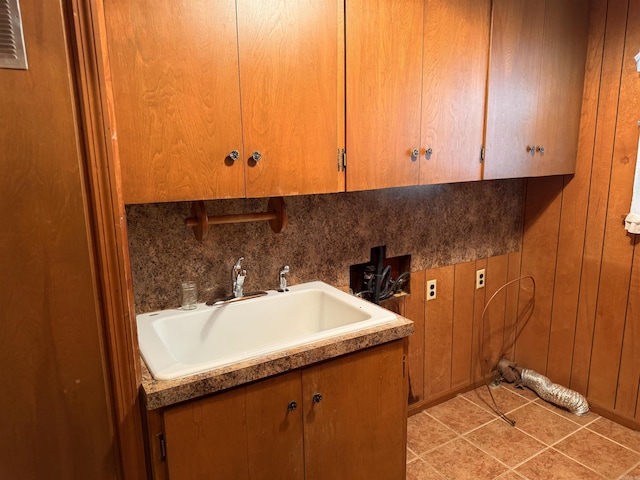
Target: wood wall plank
(438, 332)
(463, 301)
(414, 310)
(628, 379)
(539, 252)
(478, 305)
(496, 276)
(512, 314)
(599, 191)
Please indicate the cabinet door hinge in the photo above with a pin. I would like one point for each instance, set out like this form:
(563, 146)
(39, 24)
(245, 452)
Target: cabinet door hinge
(163, 446)
(342, 160)
(482, 154)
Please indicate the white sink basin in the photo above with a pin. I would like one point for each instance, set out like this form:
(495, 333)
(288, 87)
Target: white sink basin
(175, 343)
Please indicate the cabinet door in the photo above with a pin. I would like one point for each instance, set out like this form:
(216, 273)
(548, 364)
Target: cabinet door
(358, 429)
(384, 84)
(245, 433)
(291, 57)
(456, 52)
(275, 428)
(561, 86)
(176, 98)
(207, 438)
(514, 72)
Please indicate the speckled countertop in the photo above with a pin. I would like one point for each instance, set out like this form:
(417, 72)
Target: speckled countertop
(162, 393)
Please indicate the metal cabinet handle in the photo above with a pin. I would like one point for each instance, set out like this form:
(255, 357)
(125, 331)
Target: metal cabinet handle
(541, 149)
(317, 398)
(414, 154)
(292, 406)
(428, 152)
(234, 155)
(531, 149)
(256, 156)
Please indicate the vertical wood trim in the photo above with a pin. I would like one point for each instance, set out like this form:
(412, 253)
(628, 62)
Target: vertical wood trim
(599, 191)
(539, 251)
(463, 293)
(479, 300)
(107, 208)
(438, 332)
(415, 310)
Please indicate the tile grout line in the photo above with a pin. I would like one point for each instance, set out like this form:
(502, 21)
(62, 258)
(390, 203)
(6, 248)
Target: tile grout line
(552, 445)
(611, 439)
(547, 447)
(430, 467)
(625, 475)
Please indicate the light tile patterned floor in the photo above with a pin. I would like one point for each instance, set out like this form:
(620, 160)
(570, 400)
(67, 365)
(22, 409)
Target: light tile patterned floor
(464, 439)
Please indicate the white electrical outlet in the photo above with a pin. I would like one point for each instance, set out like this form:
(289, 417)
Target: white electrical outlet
(481, 278)
(431, 290)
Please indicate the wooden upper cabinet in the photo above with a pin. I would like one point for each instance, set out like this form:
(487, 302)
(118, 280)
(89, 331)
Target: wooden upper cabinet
(384, 84)
(536, 76)
(456, 53)
(416, 80)
(292, 83)
(176, 98)
(193, 81)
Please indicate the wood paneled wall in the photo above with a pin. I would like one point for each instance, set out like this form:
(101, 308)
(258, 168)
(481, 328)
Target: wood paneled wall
(454, 343)
(585, 329)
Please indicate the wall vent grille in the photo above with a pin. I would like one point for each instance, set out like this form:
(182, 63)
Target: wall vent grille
(12, 50)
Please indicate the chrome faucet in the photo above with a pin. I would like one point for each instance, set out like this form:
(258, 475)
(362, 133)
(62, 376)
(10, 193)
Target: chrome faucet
(283, 280)
(238, 275)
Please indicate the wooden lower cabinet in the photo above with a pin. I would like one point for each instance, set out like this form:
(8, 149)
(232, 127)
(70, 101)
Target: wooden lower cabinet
(348, 422)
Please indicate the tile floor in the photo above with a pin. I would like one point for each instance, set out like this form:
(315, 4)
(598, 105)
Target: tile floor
(463, 439)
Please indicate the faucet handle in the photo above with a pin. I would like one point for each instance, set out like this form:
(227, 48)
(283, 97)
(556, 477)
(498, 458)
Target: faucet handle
(283, 280)
(238, 264)
(237, 278)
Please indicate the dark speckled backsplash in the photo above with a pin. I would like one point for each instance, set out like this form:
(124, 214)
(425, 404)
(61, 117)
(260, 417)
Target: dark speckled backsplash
(437, 225)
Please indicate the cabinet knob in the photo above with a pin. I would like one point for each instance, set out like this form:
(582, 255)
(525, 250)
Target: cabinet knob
(531, 149)
(234, 155)
(292, 406)
(541, 149)
(256, 156)
(317, 398)
(428, 152)
(414, 154)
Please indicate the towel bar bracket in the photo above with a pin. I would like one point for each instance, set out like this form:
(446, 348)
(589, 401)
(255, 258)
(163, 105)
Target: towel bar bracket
(276, 215)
